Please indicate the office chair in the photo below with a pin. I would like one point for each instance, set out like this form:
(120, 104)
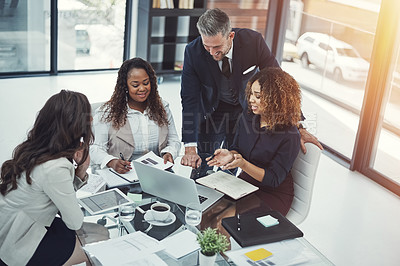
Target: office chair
(95, 106)
(303, 171)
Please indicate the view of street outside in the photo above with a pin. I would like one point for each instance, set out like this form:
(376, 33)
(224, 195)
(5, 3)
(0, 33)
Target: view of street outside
(333, 76)
(95, 31)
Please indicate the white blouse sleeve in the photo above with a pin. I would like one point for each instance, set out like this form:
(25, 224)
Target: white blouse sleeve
(99, 149)
(174, 144)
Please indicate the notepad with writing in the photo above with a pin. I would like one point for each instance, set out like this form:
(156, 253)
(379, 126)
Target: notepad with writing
(230, 185)
(252, 232)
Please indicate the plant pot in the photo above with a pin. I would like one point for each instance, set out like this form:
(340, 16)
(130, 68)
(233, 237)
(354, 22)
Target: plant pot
(206, 260)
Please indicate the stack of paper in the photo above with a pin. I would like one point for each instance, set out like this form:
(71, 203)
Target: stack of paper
(181, 244)
(127, 250)
(288, 252)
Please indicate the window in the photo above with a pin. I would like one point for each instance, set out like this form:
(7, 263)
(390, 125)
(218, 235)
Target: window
(24, 36)
(90, 34)
(334, 42)
(386, 155)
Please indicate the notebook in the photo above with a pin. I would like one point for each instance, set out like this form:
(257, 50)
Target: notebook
(230, 185)
(173, 187)
(252, 232)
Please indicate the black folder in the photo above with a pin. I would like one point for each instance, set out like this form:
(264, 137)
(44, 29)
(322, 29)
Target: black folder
(252, 232)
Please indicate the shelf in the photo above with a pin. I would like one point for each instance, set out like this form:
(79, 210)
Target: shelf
(162, 34)
(165, 68)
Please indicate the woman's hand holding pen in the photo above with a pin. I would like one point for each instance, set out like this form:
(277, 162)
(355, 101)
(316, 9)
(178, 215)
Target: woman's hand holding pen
(168, 158)
(119, 165)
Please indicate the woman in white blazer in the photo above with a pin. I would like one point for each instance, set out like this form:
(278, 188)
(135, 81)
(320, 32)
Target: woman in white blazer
(134, 121)
(38, 183)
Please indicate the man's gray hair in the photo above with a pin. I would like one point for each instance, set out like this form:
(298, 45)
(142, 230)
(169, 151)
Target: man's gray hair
(213, 22)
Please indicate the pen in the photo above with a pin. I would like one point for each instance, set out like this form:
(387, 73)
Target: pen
(122, 156)
(238, 222)
(131, 158)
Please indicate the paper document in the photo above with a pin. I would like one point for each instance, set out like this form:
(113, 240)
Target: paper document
(125, 250)
(287, 252)
(95, 184)
(152, 159)
(114, 179)
(228, 184)
(181, 244)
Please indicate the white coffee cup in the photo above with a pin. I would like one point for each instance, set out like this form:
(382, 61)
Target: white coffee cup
(160, 211)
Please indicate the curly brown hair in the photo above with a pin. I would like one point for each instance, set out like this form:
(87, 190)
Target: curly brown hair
(116, 109)
(280, 94)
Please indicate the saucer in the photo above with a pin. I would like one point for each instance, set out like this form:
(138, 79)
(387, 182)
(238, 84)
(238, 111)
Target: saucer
(148, 217)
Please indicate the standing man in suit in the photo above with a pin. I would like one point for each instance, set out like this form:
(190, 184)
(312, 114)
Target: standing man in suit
(217, 66)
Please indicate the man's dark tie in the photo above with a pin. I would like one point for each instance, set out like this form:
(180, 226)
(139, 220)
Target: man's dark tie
(226, 69)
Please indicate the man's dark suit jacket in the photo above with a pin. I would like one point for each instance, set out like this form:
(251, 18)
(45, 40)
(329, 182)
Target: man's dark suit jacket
(201, 77)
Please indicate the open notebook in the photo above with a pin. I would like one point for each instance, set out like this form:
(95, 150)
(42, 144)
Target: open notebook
(230, 185)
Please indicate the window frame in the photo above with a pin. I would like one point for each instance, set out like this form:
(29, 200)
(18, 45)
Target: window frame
(54, 46)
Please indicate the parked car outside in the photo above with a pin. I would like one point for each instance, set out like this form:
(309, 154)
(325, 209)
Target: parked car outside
(82, 42)
(8, 57)
(336, 56)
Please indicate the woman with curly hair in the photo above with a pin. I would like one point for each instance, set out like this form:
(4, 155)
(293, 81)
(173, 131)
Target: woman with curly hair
(134, 121)
(267, 140)
(39, 181)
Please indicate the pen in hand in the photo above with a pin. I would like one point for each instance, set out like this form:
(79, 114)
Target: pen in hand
(131, 158)
(123, 158)
(238, 221)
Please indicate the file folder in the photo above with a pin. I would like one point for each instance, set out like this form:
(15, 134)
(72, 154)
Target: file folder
(252, 232)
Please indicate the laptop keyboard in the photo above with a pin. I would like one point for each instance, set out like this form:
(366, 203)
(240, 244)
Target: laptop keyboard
(202, 199)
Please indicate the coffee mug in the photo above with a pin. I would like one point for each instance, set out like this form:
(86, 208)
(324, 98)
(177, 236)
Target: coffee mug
(160, 211)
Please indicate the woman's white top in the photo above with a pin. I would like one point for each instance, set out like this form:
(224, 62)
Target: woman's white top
(145, 134)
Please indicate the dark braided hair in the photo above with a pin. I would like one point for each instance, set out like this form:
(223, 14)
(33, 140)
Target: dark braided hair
(116, 109)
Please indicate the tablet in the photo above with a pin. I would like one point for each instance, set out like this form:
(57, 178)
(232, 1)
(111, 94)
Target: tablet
(104, 201)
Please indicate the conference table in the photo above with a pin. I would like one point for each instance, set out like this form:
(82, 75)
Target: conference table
(212, 217)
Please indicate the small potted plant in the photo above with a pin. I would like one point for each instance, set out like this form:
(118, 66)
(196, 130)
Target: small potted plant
(211, 242)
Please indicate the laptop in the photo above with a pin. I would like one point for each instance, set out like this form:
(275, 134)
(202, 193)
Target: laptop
(173, 187)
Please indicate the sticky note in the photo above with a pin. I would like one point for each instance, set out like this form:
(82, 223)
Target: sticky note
(135, 197)
(268, 220)
(258, 254)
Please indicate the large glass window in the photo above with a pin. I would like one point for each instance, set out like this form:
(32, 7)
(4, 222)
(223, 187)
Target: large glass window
(387, 148)
(327, 49)
(24, 35)
(90, 34)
